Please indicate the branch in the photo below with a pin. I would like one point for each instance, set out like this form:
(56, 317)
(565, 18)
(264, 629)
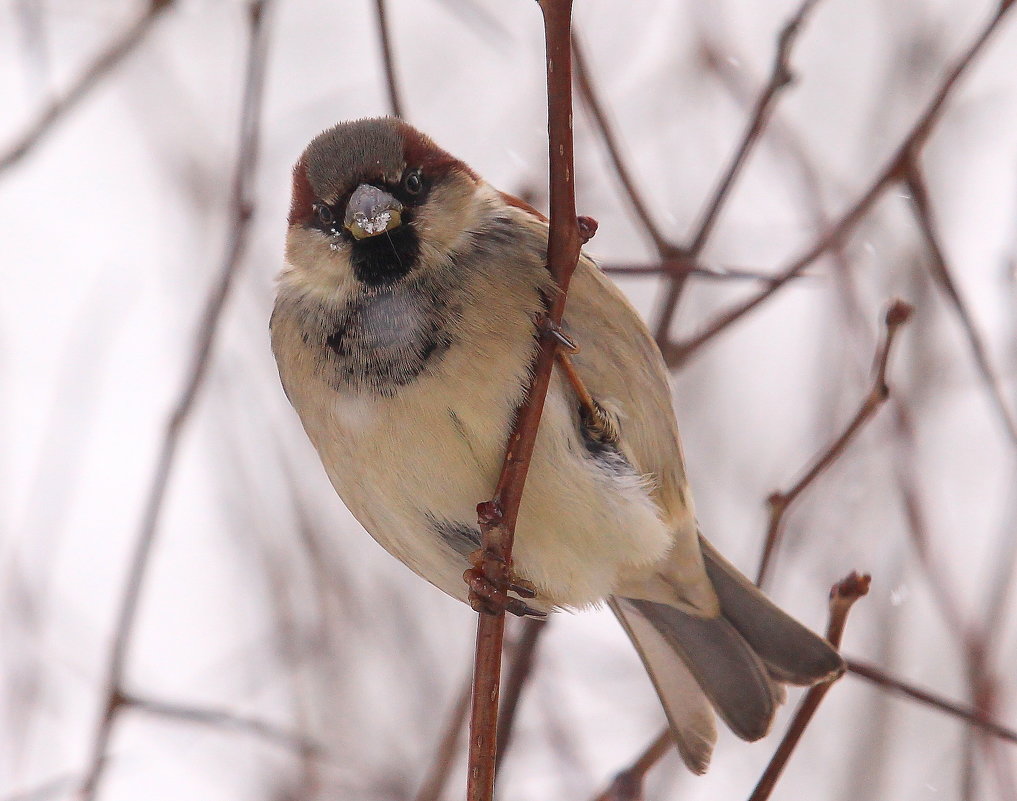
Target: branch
(394, 102)
(896, 316)
(780, 79)
(628, 784)
(86, 81)
(433, 786)
(891, 173)
(922, 208)
(842, 597)
(968, 714)
(519, 672)
(498, 516)
(242, 209)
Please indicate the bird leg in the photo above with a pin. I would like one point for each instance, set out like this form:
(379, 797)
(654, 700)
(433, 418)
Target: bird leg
(599, 425)
(490, 593)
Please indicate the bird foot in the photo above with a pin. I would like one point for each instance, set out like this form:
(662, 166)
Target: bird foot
(490, 583)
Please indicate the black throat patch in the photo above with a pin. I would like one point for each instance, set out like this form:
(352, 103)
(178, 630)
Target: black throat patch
(386, 258)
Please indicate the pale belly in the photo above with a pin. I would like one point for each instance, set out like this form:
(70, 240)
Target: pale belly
(413, 467)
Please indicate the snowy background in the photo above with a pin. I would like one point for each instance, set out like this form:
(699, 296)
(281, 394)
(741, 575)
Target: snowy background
(268, 609)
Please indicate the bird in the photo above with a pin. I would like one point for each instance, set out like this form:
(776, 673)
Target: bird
(404, 334)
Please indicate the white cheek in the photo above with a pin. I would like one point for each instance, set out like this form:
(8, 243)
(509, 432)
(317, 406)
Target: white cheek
(354, 413)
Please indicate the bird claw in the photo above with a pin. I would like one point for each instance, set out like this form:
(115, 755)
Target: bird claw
(490, 594)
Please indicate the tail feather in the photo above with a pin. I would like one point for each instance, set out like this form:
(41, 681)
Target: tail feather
(730, 674)
(791, 652)
(729, 663)
(688, 711)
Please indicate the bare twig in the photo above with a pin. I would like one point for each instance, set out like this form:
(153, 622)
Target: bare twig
(779, 502)
(498, 516)
(892, 172)
(519, 672)
(87, 80)
(842, 598)
(968, 714)
(919, 195)
(640, 208)
(628, 784)
(780, 79)
(241, 211)
(221, 718)
(433, 786)
(394, 102)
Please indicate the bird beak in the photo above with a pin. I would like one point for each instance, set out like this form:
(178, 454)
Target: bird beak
(371, 212)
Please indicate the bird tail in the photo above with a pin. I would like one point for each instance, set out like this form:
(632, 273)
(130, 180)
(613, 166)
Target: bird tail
(730, 664)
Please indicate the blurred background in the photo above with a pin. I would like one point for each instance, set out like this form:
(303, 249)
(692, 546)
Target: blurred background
(263, 646)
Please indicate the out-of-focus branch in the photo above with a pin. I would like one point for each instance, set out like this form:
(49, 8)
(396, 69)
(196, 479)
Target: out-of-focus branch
(104, 64)
(842, 597)
(224, 719)
(242, 208)
(780, 79)
(893, 172)
(394, 101)
(628, 784)
(497, 517)
(779, 502)
(922, 206)
(968, 714)
(698, 271)
(519, 672)
(433, 786)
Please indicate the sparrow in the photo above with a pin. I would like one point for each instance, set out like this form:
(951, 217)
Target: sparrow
(404, 333)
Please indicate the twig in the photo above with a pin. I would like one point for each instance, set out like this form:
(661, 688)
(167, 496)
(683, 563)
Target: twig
(780, 79)
(698, 271)
(221, 718)
(497, 517)
(968, 714)
(87, 80)
(394, 102)
(433, 786)
(242, 209)
(891, 173)
(842, 597)
(628, 784)
(519, 672)
(779, 502)
(922, 206)
(640, 208)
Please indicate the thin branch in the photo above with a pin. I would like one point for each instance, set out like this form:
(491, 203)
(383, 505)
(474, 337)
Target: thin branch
(781, 77)
(842, 597)
(519, 672)
(968, 714)
(700, 270)
(241, 211)
(627, 785)
(498, 516)
(104, 64)
(221, 718)
(640, 208)
(922, 206)
(394, 102)
(779, 502)
(891, 173)
(433, 786)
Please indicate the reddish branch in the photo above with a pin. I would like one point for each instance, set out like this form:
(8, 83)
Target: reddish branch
(395, 104)
(842, 598)
(498, 516)
(115, 695)
(897, 315)
(518, 674)
(628, 784)
(919, 195)
(86, 81)
(894, 171)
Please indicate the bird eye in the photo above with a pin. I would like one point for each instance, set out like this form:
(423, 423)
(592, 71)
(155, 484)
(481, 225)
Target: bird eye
(413, 183)
(324, 214)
